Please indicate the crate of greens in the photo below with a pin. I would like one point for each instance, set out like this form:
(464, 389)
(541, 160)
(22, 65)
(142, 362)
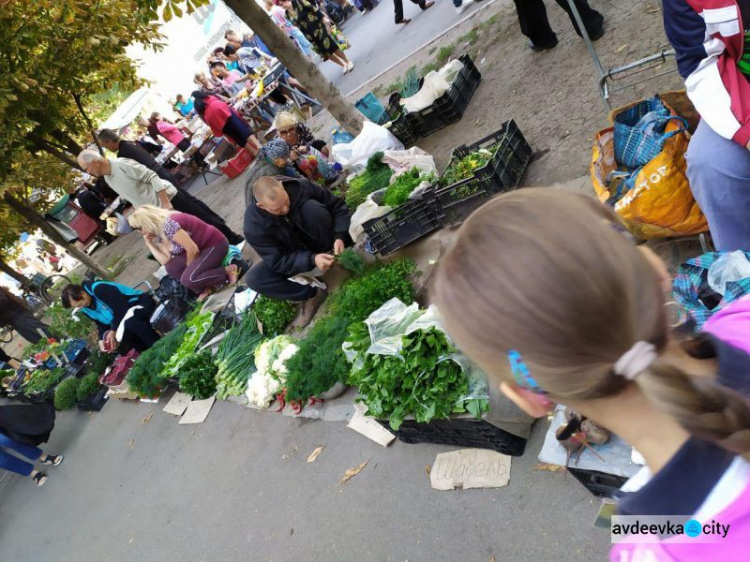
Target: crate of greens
(493, 165)
(403, 225)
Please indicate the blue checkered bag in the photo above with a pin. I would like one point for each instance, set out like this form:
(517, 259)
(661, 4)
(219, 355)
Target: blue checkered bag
(692, 279)
(636, 146)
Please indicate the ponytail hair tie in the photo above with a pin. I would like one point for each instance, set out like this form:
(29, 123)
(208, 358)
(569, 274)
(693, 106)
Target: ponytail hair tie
(636, 360)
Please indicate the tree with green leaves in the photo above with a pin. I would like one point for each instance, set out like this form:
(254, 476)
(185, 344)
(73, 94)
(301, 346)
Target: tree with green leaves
(55, 55)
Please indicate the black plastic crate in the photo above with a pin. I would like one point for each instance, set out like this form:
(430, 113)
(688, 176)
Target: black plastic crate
(460, 432)
(96, 402)
(601, 484)
(403, 129)
(502, 173)
(403, 225)
(450, 107)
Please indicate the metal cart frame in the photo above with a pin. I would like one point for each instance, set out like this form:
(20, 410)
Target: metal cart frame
(607, 75)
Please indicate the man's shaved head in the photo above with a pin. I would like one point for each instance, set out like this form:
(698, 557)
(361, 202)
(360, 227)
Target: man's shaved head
(271, 196)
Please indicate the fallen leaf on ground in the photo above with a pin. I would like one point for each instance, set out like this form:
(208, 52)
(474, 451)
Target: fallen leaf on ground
(147, 418)
(492, 559)
(428, 469)
(622, 48)
(314, 454)
(131, 443)
(549, 467)
(352, 472)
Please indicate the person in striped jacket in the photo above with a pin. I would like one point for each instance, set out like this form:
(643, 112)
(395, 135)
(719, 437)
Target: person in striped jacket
(709, 37)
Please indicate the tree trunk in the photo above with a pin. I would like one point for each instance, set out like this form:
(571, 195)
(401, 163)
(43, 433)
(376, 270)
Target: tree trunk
(37, 220)
(89, 124)
(42, 144)
(20, 277)
(302, 69)
(73, 147)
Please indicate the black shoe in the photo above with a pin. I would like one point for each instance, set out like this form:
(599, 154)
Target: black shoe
(235, 239)
(539, 48)
(597, 33)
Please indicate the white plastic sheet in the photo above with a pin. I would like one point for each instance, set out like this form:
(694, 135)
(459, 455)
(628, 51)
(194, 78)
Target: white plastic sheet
(372, 139)
(401, 161)
(370, 209)
(435, 85)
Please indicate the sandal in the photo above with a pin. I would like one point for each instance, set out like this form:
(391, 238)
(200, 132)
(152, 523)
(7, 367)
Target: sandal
(40, 478)
(52, 460)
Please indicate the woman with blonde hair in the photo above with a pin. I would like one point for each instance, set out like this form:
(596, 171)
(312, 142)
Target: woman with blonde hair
(191, 250)
(546, 292)
(296, 134)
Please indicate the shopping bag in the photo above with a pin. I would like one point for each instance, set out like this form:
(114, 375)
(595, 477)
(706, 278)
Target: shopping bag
(640, 131)
(659, 204)
(339, 38)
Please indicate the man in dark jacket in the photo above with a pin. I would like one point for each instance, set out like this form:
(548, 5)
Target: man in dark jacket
(296, 227)
(182, 201)
(15, 313)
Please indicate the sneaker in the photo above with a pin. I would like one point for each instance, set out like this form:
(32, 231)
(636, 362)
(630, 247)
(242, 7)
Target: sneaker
(310, 307)
(428, 5)
(462, 8)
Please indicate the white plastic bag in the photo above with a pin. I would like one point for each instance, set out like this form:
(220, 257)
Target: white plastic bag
(733, 266)
(368, 210)
(372, 139)
(401, 161)
(434, 86)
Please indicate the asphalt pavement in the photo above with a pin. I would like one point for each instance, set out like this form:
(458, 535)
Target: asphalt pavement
(377, 42)
(136, 486)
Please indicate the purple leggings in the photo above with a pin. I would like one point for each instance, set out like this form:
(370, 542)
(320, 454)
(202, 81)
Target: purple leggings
(206, 270)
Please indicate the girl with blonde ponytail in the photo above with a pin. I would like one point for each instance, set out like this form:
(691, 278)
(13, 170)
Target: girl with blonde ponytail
(550, 296)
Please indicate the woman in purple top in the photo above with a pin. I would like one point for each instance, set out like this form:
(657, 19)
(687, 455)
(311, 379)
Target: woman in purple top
(190, 249)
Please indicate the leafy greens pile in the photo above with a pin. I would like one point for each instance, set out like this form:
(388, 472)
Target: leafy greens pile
(66, 394)
(350, 260)
(398, 192)
(236, 357)
(198, 324)
(465, 167)
(198, 375)
(146, 377)
(320, 363)
(42, 380)
(375, 176)
(421, 381)
(274, 315)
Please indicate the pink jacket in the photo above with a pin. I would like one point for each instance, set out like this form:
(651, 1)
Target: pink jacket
(170, 132)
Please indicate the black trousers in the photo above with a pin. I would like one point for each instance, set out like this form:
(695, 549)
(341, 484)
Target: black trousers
(532, 16)
(26, 324)
(197, 157)
(139, 334)
(399, 8)
(318, 223)
(187, 203)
